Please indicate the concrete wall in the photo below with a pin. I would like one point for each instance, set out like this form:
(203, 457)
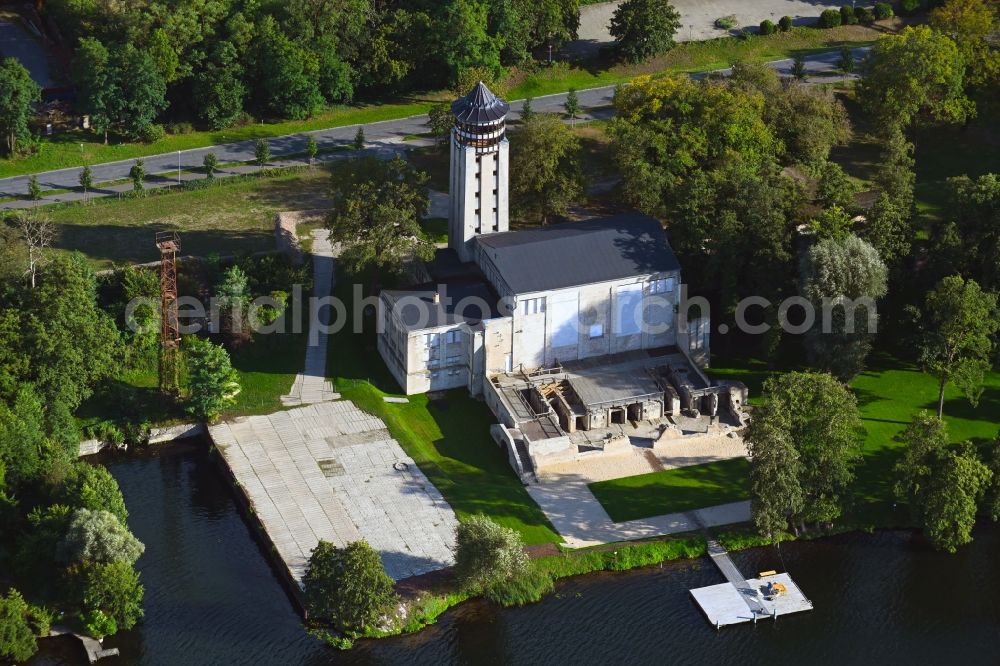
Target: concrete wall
(479, 192)
(597, 305)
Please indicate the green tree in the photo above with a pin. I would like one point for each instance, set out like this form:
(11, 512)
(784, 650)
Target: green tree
(377, 206)
(846, 62)
(973, 25)
(18, 95)
(86, 179)
(992, 504)
(487, 554)
(138, 174)
(835, 187)
(898, 94)
(347, 587)
(527, 112)
(545, 169)
(288, 75)
(262, 152)
(843, 278)
(462, 39)
(210, 162)
(894, 175)
(960, 321)
(136, 93)
(888, 229)
(809, 120)
(113, 589)
(34, 188)
(219, 89)
(359, 139)
(441, 121)
(972, 224)
(17, 640)
(23, 445)
(644, 28)
(69, 342)
(817, 417)
(775, 486)
(799, 67)
(572, 104)
(233, 297)
(213, 384)
(92, 75)
(92, 487)
(925, 440)
(311, 148)
(957, 485)
(99, 537)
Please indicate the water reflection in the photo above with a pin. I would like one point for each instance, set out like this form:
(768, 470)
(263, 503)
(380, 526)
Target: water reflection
(212, 598)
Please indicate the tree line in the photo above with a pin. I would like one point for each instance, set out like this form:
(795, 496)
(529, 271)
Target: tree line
(216, 60)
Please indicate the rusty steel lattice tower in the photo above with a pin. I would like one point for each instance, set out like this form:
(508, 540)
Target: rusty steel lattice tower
(169, 244)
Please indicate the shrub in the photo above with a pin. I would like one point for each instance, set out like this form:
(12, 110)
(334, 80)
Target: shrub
(767, 27)
(882, 11)
(830, 18)
(865, 15)
(487, 554)
(726, 22)
(92, 487)
(211, 163)
(113, 589)
(347, 587)
(152, 133)
(847, 16)
(910, 6)
(99, 624)
(262, 152)
(785, 23)
(98, 536)
(17, 640)
(526, 588)
(180, 128)
(212, 382)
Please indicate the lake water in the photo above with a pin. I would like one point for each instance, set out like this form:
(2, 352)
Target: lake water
(212, 598)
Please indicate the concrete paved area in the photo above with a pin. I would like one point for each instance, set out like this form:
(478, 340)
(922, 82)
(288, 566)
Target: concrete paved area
(697, 19)
(681, 452)
(16, 42)
(311, 385)
(384, 138)
(331, 471)
(582, 521)
(564, 496)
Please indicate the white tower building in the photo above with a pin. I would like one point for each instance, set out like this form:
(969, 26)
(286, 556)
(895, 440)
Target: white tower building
(480, 159)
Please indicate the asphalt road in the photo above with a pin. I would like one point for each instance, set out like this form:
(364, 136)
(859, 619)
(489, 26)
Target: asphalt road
(388, 135)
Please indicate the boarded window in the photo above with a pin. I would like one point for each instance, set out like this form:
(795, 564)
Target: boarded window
(628, 310)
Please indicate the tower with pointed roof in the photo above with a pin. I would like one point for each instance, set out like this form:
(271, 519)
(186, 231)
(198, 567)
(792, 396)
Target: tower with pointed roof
(480, 159)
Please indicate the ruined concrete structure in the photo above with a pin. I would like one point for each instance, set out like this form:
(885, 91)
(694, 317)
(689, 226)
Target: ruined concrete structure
(565, 329)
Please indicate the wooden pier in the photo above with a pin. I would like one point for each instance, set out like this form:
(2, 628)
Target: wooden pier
(743, 600)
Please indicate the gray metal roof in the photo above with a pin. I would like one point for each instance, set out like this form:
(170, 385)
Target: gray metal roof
(577, 253)
(460, 302)
(480, 106)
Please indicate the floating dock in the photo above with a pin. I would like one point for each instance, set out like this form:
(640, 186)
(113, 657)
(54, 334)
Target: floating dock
(743, 600)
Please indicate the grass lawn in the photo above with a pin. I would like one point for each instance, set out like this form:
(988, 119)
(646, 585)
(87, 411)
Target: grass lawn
(72, 149)
(446, 434)
(674, 490)
(229, 218)
(889, 395)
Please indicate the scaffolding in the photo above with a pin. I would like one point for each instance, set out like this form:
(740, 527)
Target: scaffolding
(169, 244)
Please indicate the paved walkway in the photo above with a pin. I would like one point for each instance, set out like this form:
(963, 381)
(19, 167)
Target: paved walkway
(331, 471)
(582, 521)
(384, 138)
(311, 385)
(698, 19)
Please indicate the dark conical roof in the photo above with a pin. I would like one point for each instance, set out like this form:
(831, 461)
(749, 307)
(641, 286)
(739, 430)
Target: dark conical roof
(479, 106)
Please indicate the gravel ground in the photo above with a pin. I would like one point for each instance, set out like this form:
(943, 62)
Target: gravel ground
(698, 18)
